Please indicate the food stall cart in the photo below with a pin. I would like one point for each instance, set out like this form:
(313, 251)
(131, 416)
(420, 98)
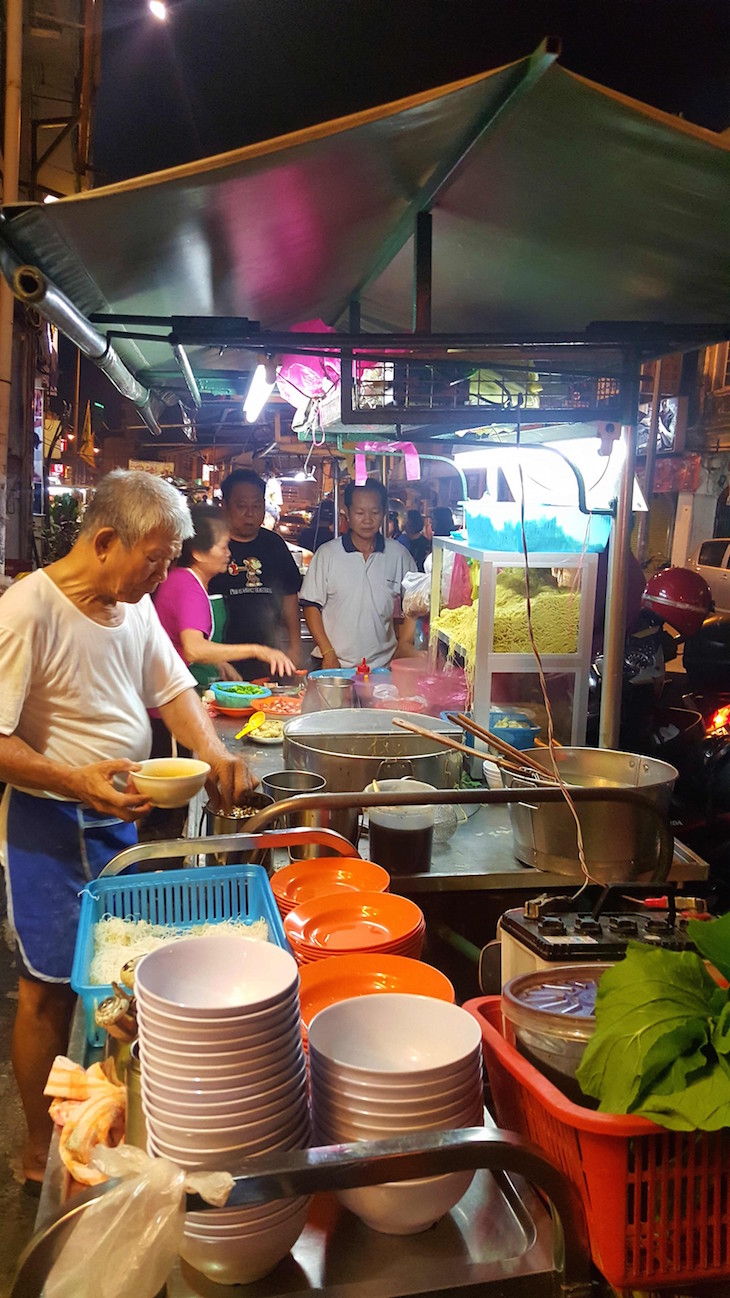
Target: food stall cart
(512, 302)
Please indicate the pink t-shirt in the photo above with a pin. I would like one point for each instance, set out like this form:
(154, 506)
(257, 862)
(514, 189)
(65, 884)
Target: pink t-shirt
(182, 605)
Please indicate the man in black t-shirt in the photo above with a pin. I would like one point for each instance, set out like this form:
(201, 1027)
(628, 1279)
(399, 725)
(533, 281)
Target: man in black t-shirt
(261, 586)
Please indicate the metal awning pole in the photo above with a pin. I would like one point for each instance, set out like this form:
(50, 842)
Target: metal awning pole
(616, 590)
(642, 529)
(11, 164)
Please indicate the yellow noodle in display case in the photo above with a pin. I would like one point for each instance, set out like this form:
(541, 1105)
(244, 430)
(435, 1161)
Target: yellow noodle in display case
(555, 619)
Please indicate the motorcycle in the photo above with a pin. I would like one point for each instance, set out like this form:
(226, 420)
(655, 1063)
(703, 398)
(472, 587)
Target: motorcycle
(680, 711)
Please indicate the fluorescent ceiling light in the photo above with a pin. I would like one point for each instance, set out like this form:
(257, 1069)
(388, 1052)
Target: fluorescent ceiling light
(260, 389)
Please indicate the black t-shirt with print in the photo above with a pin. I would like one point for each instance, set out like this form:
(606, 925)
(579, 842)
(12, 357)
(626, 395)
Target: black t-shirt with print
(260, 573)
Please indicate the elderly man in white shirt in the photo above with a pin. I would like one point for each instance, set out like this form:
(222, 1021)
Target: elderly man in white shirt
(82, 659)
(351, 593)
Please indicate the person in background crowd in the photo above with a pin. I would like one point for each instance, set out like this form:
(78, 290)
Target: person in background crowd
(184, 607)
(351, 593)
(393, 530)
(83, 657)
(413, 538)
(441, 523)
(321, 528)
(261, 583)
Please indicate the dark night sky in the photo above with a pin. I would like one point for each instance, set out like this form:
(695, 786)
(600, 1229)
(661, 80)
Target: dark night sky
(223, 73)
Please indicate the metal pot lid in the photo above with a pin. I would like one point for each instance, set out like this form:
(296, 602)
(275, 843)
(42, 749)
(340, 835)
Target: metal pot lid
(358, 721)
(548, 994)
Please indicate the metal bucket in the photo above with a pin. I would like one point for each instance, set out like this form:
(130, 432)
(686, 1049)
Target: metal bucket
(620, 842)
(136, 1133)
(335, 693)
(217, 822)
(287, 784)
(351, 747)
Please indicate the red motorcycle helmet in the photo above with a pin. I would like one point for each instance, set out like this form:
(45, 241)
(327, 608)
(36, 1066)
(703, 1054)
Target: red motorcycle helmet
(680, 597)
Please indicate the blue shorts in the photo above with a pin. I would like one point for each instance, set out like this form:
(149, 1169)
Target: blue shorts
(52, 850)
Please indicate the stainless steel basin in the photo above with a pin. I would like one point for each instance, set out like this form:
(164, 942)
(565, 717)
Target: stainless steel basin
(619, 841)
(351, 747)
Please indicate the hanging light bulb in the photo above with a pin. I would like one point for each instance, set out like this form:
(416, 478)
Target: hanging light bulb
(158, 10)
(260, 389)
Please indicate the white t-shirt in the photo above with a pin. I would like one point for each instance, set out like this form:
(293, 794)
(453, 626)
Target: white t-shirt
(75, 691)
(358, 597)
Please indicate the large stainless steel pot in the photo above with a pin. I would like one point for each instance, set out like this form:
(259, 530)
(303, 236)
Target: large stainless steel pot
(620, 843)
(351, 747)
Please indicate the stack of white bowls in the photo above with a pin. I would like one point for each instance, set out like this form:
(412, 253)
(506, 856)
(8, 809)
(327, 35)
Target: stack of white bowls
(224, 1079)
(382, 1066)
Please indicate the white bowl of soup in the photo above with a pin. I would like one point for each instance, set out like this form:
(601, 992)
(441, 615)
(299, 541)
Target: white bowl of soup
(170, 781)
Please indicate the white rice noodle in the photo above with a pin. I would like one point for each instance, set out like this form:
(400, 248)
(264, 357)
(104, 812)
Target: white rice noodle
(118, 940)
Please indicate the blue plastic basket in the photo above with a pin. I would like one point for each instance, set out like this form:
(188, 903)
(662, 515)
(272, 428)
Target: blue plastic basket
(179, 898)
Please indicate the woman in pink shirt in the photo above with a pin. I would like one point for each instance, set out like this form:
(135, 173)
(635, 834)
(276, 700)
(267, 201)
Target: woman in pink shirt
(184, 608)
(185, 611)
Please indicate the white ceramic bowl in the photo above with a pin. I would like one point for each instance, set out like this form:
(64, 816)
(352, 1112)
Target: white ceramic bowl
(219, 976)
(406, 1207)
(242, 1067)
(211, 1029)
(230, 1160)
(288, 1039)
(181, 1041)
(210, 1138)
(331, 1131)
(161, 1085)
(396, 1085)
(249, 1109)
(170, 781)
(246, 1219)
(356, 1126)
(390, 1104)
(200, 1109)
(278, 1122)
(399, 1033)
(243, 1259)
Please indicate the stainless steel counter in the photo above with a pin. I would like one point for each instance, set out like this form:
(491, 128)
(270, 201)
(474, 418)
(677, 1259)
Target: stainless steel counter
(478, 856)
(498, 1232)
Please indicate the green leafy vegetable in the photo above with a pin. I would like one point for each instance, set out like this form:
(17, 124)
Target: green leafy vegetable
(712, 939)
(702, 1105)
(661, 1040)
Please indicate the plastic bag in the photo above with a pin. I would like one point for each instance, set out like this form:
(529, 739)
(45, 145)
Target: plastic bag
(124, 1244)
(460, 590)
(416, 587)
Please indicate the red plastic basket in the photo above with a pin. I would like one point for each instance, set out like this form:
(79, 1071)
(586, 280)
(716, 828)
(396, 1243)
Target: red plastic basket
(657, 1201)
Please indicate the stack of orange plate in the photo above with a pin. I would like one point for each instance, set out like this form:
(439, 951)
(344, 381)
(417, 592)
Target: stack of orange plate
(345, 922)
(339, 978)
(320, 876)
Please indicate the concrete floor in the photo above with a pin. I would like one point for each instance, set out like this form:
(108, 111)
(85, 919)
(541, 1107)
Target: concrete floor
(17, 1210)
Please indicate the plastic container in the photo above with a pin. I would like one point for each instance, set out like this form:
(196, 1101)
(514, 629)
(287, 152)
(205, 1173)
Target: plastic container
(401, 838)
(548, 529)
(226, 694)
(366, 686)
(179, 898)
(549, 1015)
(514, 727)
(408, 672)
(415, 704)
(657, 1202)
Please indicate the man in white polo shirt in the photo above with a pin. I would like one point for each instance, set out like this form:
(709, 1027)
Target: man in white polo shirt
(351, 593)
